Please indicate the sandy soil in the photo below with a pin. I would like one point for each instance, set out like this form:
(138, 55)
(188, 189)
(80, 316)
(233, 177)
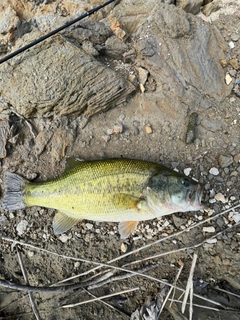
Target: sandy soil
(215, 239)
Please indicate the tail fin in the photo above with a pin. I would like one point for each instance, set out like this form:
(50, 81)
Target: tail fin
(13, 197)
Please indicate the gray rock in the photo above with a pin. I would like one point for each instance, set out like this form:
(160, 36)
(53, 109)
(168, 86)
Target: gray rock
(225, 161)
(210, 8)
(191, 6)
(21, 227)
(89, 48)
(174, 53)
(71, 74)
(115, 48)
(61, 141)
(59, 77)
(168, 1)
(178, 221)
(211, 125)
(9, 21)
(41, 141)
(3, 48)
(4, 133)
(235, 36)
(143, 75)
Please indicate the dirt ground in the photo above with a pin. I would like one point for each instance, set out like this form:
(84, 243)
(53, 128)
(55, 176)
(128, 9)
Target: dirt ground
(214, 159)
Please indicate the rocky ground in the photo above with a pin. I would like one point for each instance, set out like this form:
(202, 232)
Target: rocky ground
(124, 83)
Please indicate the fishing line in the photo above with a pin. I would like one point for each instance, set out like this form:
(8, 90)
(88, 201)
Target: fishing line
(31, 44)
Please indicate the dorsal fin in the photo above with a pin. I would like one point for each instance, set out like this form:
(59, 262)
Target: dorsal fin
(72, 163)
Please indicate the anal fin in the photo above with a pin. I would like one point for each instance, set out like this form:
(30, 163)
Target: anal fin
(126, 228)
(62, 222)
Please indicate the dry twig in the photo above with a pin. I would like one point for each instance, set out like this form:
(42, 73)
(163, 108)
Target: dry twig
(31, 298)
(175, 283)
(189, 288)
(159, 241)
(99, 298)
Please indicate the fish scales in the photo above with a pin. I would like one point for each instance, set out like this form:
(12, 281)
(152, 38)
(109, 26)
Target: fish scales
(118, 190)
(88, 190)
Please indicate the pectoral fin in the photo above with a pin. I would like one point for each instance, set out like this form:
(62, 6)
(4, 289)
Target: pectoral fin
(124, 201)
(126, 228)
(62, 222)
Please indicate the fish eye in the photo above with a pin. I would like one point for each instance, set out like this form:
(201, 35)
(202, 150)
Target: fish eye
(186, 182)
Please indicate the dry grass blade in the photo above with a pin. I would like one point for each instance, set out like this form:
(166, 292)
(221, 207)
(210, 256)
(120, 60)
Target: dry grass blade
(189, 287)
(31, 298)
(157, 242)
(99, 298)
(228, 292)
(191, 301)
(151, 257)
(171, 289)
(175, 283)
(124, 276)
(75, 286)
(72, 287)
(65, 288)
(104, 302)
(196, 305)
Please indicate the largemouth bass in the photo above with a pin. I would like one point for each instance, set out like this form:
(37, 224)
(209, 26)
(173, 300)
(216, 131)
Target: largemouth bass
(117, 190)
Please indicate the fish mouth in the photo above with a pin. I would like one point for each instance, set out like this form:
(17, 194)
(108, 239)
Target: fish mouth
(194, 197)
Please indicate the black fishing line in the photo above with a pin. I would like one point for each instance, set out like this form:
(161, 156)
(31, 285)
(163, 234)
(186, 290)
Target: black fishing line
(31, 44)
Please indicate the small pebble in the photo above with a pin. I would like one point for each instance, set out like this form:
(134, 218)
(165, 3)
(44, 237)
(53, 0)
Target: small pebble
(211, 241)
(143, 75)
(30, 254)
(122, 117)
(228, 79)
(3, 219)
(234, 63)
(236, 217)
(209, 229)
(231, 45)
(187, 171)
(209, 211)
(106, 138)
(76, 265)
(21, 227)
(89, 226)
(235, 36)
(220, 197)
(148, 128)
(212, 200)
(211, 125)
(142, 87)
(237, 158)
(223, 63)
(109, 132)
(64, 238)
(214, 171)
(225, 161)
(117, 129)
(123, 247)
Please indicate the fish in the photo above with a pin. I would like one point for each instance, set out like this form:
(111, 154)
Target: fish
(107, 190)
